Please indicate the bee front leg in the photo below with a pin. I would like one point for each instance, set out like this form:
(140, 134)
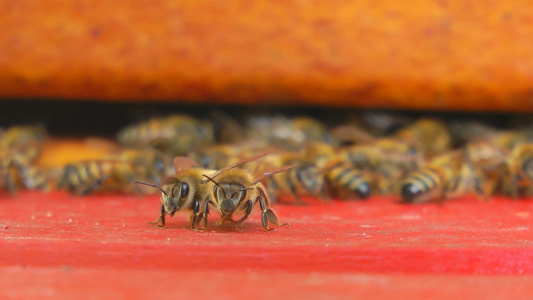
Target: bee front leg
(161, 218)
(249, 206)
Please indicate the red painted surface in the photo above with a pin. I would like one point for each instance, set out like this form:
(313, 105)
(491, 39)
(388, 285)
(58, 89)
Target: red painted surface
(55, 245)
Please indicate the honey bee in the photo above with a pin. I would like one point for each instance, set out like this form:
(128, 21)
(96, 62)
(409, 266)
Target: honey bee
(175, 134)
(340, 176)
(388, 160)
(289, 134)
(520, 165)
(430, 137)
(19, 148)
(236, 190)
(489, 156)
(345, 180)
(304, 178)
(117, 171)
(188, 191)
(445, 177)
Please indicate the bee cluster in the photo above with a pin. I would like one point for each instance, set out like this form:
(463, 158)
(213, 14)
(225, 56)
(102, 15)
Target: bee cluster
(197, 164)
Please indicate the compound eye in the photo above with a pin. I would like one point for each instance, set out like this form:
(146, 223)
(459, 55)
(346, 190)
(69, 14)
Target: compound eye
(184, 189)
(219, 193)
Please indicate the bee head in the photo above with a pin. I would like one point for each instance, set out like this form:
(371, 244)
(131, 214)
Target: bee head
(174, 195)
(229, 196)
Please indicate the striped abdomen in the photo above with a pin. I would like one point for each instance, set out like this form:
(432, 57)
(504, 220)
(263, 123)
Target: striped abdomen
(83, 177)
(343, 175)
(424, 185)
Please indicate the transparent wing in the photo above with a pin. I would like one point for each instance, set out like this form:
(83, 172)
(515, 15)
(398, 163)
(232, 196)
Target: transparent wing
(182, 163)
(214, 175)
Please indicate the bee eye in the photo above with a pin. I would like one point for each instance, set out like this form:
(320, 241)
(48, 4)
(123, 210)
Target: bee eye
(184, 189)
(219, 193)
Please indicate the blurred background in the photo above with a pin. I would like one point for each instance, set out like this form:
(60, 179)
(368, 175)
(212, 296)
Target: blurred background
(440, 55)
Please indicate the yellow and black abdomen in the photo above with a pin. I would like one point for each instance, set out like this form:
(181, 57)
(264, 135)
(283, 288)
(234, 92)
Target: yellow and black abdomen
(424, 185)
(83, 177)
(344, 176)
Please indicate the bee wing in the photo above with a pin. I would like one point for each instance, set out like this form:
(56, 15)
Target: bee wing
(182, 163)
(212, 176)
(269, 173)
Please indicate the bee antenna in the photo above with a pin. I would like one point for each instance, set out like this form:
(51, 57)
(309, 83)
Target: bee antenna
(152, 185)
(241, 190)
(216, 183)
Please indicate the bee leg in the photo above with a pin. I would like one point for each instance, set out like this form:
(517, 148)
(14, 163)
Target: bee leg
(85, 190)
(324, 195)
(267, 215)
(9, 183)
(249, 206)
(196, 215)
(205, 213)
(295, 194)
(161, 218)
(479, 191)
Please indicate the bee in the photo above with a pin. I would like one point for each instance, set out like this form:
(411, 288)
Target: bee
(289, 134)
(520, 165)
(20, 146)
(489, 156)
(115, 171)
(345, 180)
(430, 137)
(340, 176)
(175, 134)
(388, 160)
(304, 178)
(188, 191)
(445, 177)
(237, 190)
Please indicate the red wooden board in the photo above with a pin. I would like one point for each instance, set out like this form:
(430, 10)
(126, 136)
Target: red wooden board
(53, 245)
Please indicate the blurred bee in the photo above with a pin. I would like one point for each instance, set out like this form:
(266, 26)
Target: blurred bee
(20, 146)
(520, 165)
(344, 180)
(289, 134)
(116, 172)
(383, 123)
(236, 190)
(463, 132)
(304, 178)
(175, 134)
(445, 177)
(388, 160)
(430, 137)
(488, 157)
(341, 178)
